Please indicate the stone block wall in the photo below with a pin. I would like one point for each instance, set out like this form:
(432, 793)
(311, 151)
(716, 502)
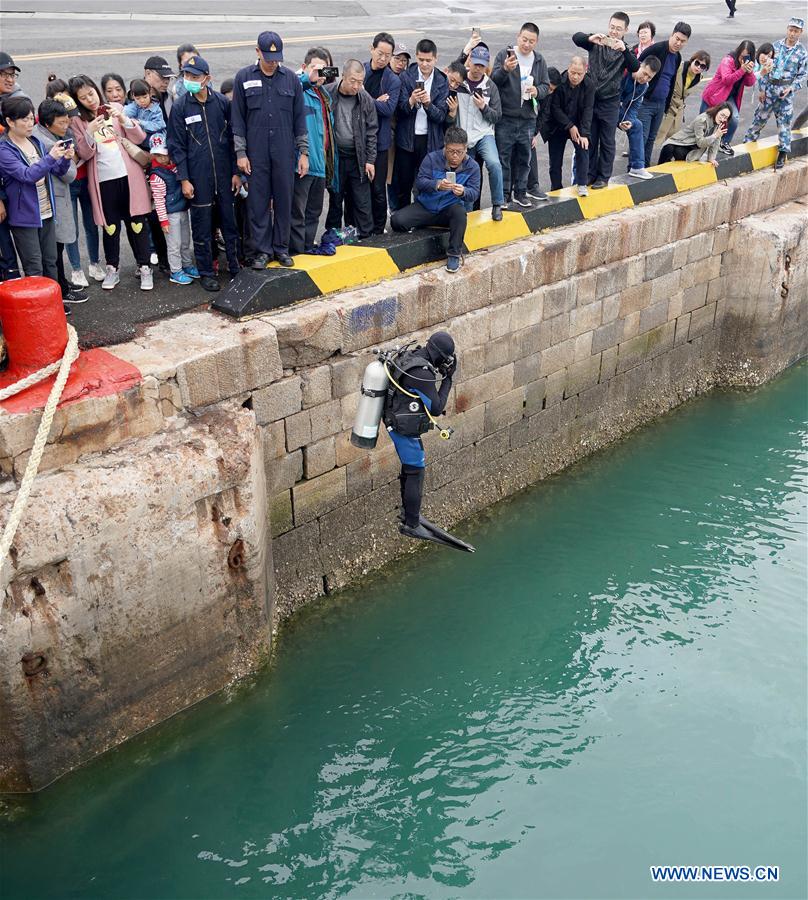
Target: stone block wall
(172, 527)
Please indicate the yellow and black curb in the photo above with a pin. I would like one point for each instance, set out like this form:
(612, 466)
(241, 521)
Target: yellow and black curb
(381, 257)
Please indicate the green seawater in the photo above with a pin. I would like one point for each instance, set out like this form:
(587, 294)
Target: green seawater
(617, 679)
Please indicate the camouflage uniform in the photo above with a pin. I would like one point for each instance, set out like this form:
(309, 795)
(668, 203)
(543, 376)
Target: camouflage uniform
(790, 68)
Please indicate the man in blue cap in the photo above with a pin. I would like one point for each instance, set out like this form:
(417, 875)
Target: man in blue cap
(777, 89)
(271, 142)
(200, 141)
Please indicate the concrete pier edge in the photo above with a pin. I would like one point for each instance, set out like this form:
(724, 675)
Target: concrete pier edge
(174, 525)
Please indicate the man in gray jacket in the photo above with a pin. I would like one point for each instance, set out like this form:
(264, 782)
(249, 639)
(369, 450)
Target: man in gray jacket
(608, 58)
(520, 73)
(356, 127)
(475, 106)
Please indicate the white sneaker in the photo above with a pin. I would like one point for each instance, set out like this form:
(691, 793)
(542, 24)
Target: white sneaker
(583, 190)
(146, 278)
(111, 278)
(640, 173)
(78, 278)
(97, 272)
(153, 259)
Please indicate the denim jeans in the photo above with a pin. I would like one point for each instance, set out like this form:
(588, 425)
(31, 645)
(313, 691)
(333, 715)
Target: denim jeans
(651, 114)
(732, 125)
(636, 144)
(80, 196)
(486, 150)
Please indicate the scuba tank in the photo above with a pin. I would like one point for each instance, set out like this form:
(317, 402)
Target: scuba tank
(371, 403)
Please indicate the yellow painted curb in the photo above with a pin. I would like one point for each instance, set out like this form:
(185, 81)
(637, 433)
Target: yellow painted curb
(762, 153)
(688, 175)
(607, 200)
(482, 231)
(348, 267)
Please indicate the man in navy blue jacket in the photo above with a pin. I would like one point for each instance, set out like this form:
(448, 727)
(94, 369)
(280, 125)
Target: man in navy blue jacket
(272, 146)
(447, 181)
(384, 86)
(200, 141)
(422, 107)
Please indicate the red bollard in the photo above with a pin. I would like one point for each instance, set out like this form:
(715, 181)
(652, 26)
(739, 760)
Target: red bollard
(35, 331)
(34, 325)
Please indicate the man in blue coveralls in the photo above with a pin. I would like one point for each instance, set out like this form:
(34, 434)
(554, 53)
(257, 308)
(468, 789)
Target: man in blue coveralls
(269, 130)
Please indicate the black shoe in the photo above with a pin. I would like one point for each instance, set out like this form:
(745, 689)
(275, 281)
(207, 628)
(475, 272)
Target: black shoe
(67, 309)
(724, 147)
(75, 295)
(522, 200)
(261, 261)
(496, 213)
(285, 260)
(599, 184)
(781, 159)
(209, 283)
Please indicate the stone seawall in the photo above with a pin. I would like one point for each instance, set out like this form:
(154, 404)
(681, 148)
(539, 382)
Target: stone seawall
(175, 525)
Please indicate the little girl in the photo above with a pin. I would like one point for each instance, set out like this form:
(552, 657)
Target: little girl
(144, 110)
(172, 212)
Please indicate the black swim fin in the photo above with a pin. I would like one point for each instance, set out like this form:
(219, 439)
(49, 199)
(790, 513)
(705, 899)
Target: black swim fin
(427, 531)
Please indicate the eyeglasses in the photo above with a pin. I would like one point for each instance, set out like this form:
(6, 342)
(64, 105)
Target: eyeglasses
(8, 73)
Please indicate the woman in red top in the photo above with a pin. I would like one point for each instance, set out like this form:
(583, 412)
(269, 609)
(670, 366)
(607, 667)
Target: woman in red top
(736, 71)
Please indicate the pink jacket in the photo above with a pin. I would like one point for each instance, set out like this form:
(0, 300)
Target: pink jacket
(140, 201)
(726, 76)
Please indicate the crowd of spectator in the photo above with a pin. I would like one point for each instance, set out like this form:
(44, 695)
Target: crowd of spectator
(192, 169)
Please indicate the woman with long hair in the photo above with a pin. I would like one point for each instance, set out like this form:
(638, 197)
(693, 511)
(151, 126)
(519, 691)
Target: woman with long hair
(118, 189)
(735, 72)
(699, 141)
(689, 75)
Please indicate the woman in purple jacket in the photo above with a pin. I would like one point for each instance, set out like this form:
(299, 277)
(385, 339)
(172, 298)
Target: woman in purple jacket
(26, 171)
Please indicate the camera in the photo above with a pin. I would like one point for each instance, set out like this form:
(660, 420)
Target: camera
(328, 72)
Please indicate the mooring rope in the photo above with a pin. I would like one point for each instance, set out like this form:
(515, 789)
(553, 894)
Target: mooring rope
(62, 366)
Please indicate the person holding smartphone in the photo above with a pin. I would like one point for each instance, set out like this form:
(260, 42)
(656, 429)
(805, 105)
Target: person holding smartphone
(735, 72)
(27, 171)
(54, 128)
(520, 74)
(786, 77)
(421, 117)
(448, 180)
(609, 57)
(699, 140)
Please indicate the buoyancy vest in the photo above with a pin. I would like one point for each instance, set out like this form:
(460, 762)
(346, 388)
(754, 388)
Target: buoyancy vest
(402, 412)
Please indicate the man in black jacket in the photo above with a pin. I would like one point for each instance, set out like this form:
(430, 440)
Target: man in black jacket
(571, 119)
(660, 89)
(608, 58)
(200, 141)
(520, 73)
(356, 127)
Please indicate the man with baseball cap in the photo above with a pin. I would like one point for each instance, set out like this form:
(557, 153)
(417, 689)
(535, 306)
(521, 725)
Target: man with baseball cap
(272, 146)
(8, 78)
(475, 106)
(779, 86)
(156, 73)
(401, 59)
(200, 141)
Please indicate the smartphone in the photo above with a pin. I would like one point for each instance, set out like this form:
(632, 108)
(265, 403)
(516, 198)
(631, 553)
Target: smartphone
(475, 31)
(453, 95)
(511, 51)
(67, 143)
(477, 92)
(328, 72)
(419, 85)
(103, 110)
(450, 176)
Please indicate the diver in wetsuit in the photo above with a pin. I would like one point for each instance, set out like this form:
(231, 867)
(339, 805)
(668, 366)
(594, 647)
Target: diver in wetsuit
(417, 372)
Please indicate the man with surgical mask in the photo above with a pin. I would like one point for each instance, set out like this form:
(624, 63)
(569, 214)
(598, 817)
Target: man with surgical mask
(200, 141)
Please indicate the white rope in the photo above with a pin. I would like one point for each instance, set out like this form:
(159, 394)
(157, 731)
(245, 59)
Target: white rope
(21, 501)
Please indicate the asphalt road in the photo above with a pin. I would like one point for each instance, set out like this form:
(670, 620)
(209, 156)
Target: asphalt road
(98, 36)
